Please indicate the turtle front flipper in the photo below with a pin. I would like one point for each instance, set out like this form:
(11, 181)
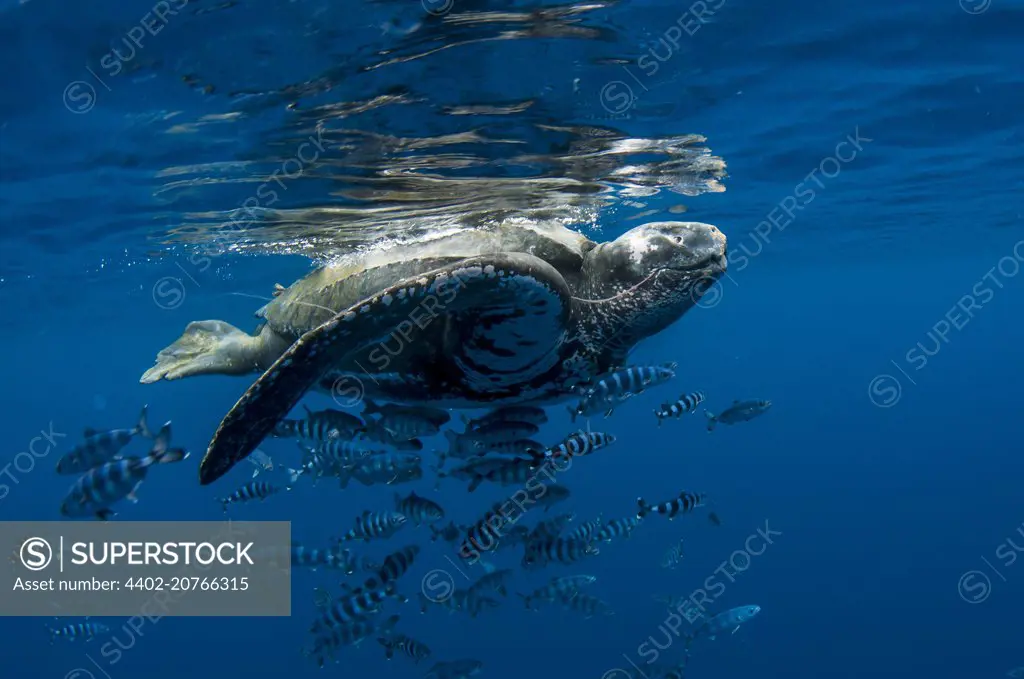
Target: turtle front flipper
(488, 290)
(208, 348)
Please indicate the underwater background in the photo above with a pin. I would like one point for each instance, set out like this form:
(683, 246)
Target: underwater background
(889, 464)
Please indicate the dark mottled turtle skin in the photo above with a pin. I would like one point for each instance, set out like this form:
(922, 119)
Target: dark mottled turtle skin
(519, 313)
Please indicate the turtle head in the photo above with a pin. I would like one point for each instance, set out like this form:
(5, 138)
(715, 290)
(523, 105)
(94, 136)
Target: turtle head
(648, 277)
(686, 251)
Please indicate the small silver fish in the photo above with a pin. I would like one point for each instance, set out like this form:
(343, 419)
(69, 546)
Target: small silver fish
(322, 599)
(261, 461)
(673, 557)
(455, 669)
(728, 621)
(739, 411)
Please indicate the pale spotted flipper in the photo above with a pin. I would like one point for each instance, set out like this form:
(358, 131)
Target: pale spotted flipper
(490, 286)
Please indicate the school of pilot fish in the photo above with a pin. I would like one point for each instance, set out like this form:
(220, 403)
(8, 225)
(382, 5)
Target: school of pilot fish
(384, 446)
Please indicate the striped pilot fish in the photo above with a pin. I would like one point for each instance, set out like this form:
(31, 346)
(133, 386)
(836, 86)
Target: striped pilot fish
(479, 466)
(498, 436)
(496, 433)
(588, 531)
(571, 583)
(395, 565)
(514, 535)
(494, 581)
(329, 639)
(419, 509)
(378, 433)
(449, 533)
(510, 472)
(353, 605)
(682, 604)
(389, 412)
(577, 445)
(543, 552)
(389, 468)
(333, 557)
(375, 525)
(588, 605)
(530, 414)
(684, 504)
(322, 425)
(101, 487)
(553, 527)
(472, 602)
(409, 429)
(483, 535)
(460, 446)
(687, 403)
(618, 528)
(254, 490)
(314, 466)
(315, 557)
(451, 602)
(342, 452)
(513, 447)
(552, 495)
(350, 563)
(332, 458)
(100, 447)
(406, 645)
(630, 381)
(406, 422)
(612, 388)
(559, 589)
(79, 630)
(461, 600)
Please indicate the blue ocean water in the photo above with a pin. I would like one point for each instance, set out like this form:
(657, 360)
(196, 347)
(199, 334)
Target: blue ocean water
(871, 198)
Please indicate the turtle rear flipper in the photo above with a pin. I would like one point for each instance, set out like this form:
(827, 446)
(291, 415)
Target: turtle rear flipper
(500, 288)
(206, 348)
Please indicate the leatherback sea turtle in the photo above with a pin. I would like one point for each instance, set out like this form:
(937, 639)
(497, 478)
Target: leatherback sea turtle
(522, 312)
